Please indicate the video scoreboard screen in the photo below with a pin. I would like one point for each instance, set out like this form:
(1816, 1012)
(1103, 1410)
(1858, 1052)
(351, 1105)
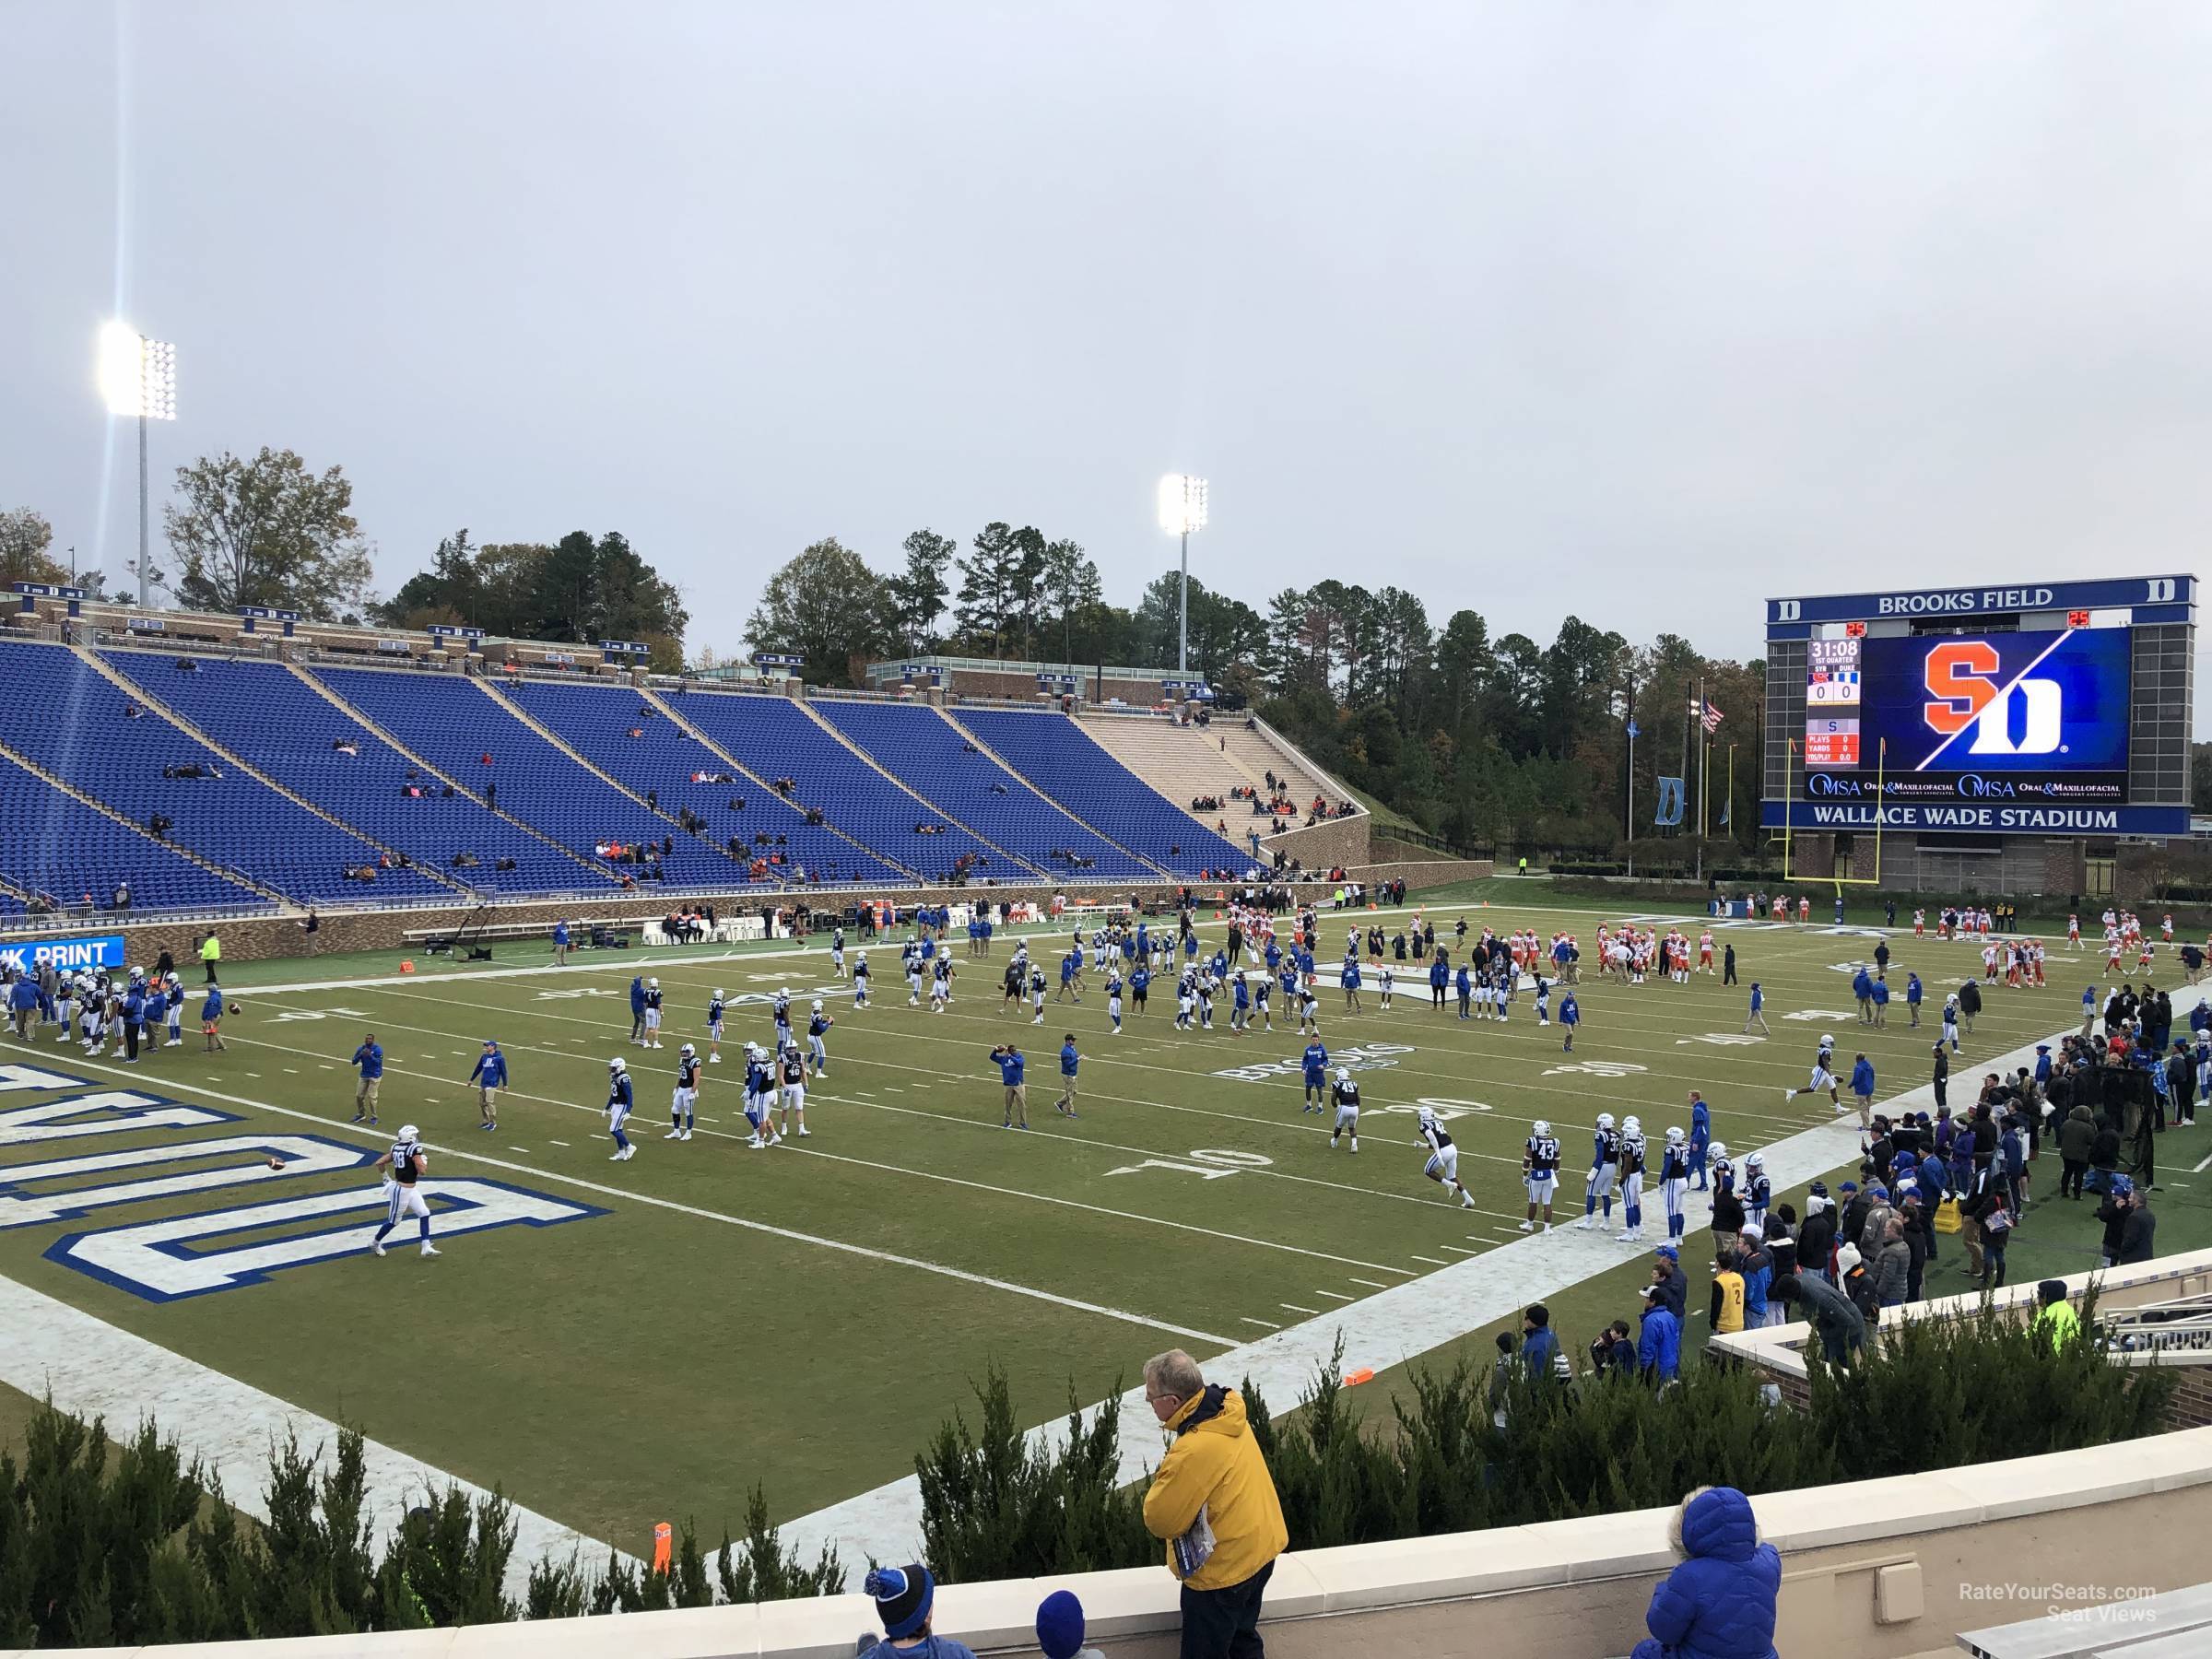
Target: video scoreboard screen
(2060, 708)
(1832, 704)
(1972, 716)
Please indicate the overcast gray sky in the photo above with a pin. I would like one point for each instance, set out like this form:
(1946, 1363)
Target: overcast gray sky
(1640, 311)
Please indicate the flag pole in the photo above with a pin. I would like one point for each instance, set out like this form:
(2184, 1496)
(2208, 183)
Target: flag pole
(1629, 815)
(1704, 743)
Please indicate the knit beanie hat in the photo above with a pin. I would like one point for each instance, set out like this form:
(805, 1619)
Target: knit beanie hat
(903, 1598)
(1060, 1625)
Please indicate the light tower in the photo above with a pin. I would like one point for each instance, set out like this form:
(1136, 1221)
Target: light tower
(138, 376)
(1181, 510)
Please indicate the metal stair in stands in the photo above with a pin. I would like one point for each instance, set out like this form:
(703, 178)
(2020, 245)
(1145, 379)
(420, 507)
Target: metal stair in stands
(991, 754)
(360, 718)
(673, 711)
(131, 687)
(64, 787)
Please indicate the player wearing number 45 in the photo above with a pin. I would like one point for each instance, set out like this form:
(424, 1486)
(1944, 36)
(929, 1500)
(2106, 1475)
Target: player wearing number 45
(402, 1169)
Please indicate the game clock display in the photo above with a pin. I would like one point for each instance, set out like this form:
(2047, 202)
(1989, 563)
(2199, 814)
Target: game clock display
(2002, 716)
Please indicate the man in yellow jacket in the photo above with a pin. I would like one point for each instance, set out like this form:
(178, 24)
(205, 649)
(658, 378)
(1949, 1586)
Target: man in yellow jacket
(2055, 1315)
(1214, 1502)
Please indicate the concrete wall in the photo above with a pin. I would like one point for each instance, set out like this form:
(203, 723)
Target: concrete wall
(1319, 846)
(1778, 1351)
(1875, 1570)
(1432, 872)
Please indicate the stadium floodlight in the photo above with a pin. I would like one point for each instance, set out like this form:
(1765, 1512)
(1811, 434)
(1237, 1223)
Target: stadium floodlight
(1181, 510)
(138, 376)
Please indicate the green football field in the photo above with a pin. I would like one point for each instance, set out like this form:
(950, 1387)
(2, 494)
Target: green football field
(617, 1344)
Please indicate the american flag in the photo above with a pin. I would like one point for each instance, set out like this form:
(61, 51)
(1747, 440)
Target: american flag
(1702, 710)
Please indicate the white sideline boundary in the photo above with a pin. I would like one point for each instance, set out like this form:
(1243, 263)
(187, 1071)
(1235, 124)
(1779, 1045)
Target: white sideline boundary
(94, 1368)
(1385, 1329)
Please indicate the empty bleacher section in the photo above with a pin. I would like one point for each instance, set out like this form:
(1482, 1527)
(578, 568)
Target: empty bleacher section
(1191, 762)
(774, 738)
(291, 732)
(55, 844)
(934, 759)
(661, 759)
(1059, 756)
(1184, 764)
(71, 719)
(474, 739)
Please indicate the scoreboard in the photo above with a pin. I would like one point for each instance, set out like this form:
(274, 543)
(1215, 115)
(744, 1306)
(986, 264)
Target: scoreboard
(2057, 708)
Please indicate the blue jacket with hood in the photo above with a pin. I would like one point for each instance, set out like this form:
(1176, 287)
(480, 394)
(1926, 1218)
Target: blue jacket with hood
(1720, 1603)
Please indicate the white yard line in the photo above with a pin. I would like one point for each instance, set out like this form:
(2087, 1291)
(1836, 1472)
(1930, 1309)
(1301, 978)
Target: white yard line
(1398, 1323)
(95, 1369)
(790, 1234)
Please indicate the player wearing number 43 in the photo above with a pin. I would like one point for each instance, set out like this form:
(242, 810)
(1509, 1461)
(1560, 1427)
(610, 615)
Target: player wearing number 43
(402, 1169)
(1540, 1172)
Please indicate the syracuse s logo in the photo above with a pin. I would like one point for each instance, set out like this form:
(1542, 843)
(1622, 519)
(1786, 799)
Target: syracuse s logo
(1961, 677)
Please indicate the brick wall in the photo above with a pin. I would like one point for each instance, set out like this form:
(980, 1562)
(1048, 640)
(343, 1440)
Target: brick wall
(268, 938)
(1813, 855)
(2191, 1407)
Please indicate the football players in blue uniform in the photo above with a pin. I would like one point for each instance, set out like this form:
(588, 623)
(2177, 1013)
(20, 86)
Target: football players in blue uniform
(1605, 1173)
(1674, 1183)
(1540, 1172)
(1316, 1069)
(619, 1099)
(683, 1104)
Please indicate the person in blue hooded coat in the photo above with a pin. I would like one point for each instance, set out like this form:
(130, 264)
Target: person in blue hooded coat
(1720, 1603)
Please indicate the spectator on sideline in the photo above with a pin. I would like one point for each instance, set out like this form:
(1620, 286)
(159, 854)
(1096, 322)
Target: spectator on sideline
(1213, 1502)
(904, 1597)
(1060, 1628)
(1721, 1601)
(560, 944)
(1841, 1327)
(2055, 1315)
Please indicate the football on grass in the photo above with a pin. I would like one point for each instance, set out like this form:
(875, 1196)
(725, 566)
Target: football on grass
(275, 1163)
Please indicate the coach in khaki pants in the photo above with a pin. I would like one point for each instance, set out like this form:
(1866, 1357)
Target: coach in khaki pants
(1213, 1501)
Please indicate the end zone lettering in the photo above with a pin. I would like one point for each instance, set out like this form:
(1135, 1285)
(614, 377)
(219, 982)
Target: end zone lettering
(1986, 599)
(103, 951)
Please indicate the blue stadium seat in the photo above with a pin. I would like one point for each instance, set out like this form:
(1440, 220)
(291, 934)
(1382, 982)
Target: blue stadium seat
(55, 844)
(931, 757)
(773, 737)
(76, 722)
(597, 720)
(267, 713)
(1063, 760)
